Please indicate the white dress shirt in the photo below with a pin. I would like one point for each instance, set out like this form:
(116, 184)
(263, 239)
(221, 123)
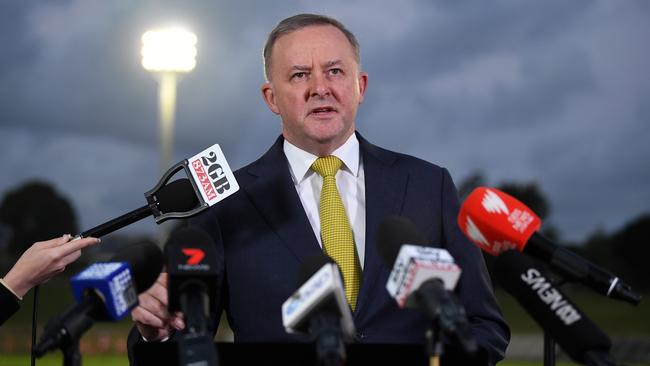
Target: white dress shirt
(350, 182)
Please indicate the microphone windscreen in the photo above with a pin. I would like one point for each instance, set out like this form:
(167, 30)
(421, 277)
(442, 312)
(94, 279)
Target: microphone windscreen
(145, 260)
(311, 265)
(190, 251)
(192, 263)
(549, 307)
(177, 196)
(394, 232)
(189, 236)
(496, 221)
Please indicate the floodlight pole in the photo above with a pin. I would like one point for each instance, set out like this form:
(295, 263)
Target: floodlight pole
(166, 116)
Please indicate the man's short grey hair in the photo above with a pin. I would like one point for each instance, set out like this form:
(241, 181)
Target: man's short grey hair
(300, 21)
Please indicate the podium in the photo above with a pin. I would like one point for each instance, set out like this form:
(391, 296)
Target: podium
(290, 354)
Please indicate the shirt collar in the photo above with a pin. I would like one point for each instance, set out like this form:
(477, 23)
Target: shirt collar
(300, 161)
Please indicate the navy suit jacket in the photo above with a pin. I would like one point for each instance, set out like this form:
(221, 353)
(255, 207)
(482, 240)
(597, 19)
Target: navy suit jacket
(263, 235)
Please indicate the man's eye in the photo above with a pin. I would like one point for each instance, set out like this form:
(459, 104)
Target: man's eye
(336, 71)
(299, 75)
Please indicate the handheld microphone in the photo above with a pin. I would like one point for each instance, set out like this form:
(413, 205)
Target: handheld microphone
(177, 196)
(578, 336)
(319, 308)
(211, 181)
(191, 258)
(423, 277)
(105, 292)
(497, 222)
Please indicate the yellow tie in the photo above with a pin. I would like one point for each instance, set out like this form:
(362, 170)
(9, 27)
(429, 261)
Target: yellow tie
(338, 241)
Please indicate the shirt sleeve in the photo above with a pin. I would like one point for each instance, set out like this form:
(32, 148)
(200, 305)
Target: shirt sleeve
(9, 303)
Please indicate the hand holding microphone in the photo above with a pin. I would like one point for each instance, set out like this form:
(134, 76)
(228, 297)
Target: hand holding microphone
(43, 260)
(183, 297)
(151, 317)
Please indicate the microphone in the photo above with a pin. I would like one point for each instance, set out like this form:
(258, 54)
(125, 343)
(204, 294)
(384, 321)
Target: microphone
(175, 197)
(191, 258)
(211, 181)
(423, 277)
(319, 309)
(497, 222)
(105, 292)
(578, 336)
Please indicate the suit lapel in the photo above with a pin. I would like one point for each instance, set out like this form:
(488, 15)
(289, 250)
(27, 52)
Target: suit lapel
(273, 194)
(385, 190)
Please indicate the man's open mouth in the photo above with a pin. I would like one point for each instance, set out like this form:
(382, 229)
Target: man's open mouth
(322, 110)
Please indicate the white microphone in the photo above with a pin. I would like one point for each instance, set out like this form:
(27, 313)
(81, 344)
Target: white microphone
(423, 277)
(319, 309)
(415, 265)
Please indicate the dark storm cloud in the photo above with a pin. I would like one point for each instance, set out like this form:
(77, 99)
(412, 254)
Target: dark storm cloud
(446, 35)
(554, 92)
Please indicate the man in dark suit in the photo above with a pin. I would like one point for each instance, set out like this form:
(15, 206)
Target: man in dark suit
(276, 220)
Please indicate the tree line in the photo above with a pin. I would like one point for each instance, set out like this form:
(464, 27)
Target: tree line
(35, 211)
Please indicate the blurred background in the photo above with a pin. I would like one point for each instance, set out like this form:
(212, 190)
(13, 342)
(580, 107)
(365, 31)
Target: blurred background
(549, 101)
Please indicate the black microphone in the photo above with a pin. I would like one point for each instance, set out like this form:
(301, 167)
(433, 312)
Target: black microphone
(496, 221)
(578, 336)
(423, 277)
(212, 181)
(176, 197)
(191, 258)
(319, 309)
(574, 267)
(106, 291)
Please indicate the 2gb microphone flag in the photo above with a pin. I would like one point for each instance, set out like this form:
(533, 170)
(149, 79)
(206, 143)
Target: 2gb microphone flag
(212, 175)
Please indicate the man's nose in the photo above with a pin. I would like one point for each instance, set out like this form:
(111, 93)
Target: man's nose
(319, 86)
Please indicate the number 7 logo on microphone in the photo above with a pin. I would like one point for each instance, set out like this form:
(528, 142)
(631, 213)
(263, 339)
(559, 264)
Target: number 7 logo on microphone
(195, 255)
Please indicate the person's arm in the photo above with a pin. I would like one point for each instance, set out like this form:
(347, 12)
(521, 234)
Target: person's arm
(474, 288)
(37, 265)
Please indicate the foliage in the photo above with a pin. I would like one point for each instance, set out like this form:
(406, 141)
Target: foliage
(34, 212)
(624, 252)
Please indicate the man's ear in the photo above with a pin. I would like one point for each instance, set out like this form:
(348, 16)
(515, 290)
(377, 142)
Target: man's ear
(363, 84)
(269, 97)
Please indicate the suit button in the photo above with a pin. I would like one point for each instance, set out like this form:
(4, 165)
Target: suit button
(359, 337)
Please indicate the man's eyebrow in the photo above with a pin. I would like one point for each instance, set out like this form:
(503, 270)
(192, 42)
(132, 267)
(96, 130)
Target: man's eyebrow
(301, 67)
(333, 63)
(308, 68)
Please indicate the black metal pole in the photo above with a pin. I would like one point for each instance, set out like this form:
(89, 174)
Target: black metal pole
(549, 350)
(118, 223)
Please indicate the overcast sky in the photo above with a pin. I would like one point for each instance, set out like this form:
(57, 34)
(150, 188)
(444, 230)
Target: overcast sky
(556, 92)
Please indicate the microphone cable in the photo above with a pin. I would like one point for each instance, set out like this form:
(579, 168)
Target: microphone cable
(34, 319)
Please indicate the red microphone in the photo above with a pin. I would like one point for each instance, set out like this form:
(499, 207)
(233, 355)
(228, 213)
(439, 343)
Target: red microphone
(496, 222)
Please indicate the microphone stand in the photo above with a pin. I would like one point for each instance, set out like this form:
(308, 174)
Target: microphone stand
(434, 344)
(326, 332)
(448, 319)
(71, 355)
(549, 349)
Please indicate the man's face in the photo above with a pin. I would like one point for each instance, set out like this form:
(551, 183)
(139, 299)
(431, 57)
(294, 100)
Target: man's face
(315, 87)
